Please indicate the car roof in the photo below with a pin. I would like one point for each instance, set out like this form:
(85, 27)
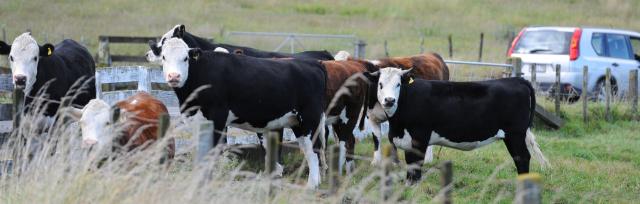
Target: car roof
(589, 29)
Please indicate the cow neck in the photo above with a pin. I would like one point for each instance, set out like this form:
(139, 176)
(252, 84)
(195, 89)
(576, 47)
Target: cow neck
(198, 42)
(49, 68)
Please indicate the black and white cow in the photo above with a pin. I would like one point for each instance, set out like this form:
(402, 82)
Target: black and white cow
(460, 115)
(193, 41)
(251, 93)
(62, 65)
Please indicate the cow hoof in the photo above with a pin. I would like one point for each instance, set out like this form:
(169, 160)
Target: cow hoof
(377, 158)
(350, 167)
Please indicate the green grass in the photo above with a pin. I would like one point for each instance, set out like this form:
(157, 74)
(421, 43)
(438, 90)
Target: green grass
(400, 23)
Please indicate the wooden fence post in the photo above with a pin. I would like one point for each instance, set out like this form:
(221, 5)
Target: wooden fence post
(386, 49)
(480, 49)
(608, 92)
(18, 103)
(163, 126)
(334, 169)
(360, 49)
(558, 91)
(516, 64)
(273, 140)
(386, 181)
(205, 140)
(450, 46)
(584, 95)
(421, 44)
(633, 91)
(447, 180)
(528, 190)
(104, 57)
(534, 70)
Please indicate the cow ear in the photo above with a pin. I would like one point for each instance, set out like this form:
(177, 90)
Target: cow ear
(195, 53)
(372, 76)
(238, 52)
(406, 76)
(4, 48)
(74, 113)
(154, 47)
(46, 50)
(179, 31)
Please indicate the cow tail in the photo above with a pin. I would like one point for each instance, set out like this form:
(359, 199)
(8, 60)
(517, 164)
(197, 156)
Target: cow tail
(532, 94)
(365, 104)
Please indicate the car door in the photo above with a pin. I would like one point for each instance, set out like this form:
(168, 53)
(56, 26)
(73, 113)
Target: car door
(635, 47)
(618, 49)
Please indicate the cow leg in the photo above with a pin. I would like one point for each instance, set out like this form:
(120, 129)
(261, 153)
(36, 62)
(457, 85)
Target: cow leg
(518, 149)
(347, 146)
(414, 156)
(263, 144)
(219, 125)
(310, 145)
(377, 134)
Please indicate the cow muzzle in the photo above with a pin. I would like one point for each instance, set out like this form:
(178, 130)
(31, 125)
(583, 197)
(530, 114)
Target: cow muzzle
(20, 81)
(173, 79)
(87, 143)
(389, 102)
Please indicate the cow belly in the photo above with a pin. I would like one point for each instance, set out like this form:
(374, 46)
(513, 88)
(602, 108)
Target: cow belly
(287, 120)
(436, 139)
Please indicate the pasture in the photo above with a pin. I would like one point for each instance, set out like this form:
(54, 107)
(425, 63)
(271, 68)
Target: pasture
(593, 162)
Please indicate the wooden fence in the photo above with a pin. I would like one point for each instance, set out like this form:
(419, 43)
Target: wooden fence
(105, 58)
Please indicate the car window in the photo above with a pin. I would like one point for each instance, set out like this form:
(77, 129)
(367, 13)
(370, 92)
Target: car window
(596, 42)
(544, 42)
(635, 44)
(617, 46)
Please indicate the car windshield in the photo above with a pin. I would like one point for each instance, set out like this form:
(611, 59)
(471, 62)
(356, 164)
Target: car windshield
(544, 42)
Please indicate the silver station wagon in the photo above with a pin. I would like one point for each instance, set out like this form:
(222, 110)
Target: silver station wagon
(573, 48)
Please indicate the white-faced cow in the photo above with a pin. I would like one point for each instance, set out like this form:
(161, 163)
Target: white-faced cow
(193, 41)
(137, 123)
(460, 115)
(251, 93)
(56, 68)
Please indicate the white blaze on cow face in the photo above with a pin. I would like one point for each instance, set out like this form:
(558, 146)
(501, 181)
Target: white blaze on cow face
(23, 58)
(95, 122)
(342, 56)
(389, 85)
(175, 62)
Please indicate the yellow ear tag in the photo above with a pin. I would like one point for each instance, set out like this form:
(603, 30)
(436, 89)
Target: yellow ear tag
(49, 51)
(411, 80)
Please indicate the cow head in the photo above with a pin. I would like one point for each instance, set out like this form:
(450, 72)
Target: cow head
(175, 58)
(95, 120)
(389, 81)
(153, 55)
(24, 55)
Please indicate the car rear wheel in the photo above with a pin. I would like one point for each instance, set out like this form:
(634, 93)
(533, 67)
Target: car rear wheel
(600, 91)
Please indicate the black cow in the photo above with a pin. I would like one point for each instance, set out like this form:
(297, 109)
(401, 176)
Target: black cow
(204, 44)
(460, 115)
(67, 68)
(251, 93)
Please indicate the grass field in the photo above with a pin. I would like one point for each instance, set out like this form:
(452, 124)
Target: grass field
(401, 23)
(594, 162)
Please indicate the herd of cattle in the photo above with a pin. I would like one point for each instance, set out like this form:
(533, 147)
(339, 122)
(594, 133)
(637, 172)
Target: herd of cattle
(308, 91)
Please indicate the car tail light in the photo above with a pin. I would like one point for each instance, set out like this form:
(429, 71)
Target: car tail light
(574, 47)
(515, 41)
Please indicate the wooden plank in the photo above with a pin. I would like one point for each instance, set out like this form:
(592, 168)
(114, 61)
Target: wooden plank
(127, 39)
(128, 58)
(549, 118)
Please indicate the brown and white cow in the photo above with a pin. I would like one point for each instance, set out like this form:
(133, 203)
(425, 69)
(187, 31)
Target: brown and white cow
(138, 120)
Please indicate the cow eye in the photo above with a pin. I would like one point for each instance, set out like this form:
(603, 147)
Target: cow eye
(185, 59)
(162, 57)
(398, 85)
(380, 85)
(11, 58)
(35, 58)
